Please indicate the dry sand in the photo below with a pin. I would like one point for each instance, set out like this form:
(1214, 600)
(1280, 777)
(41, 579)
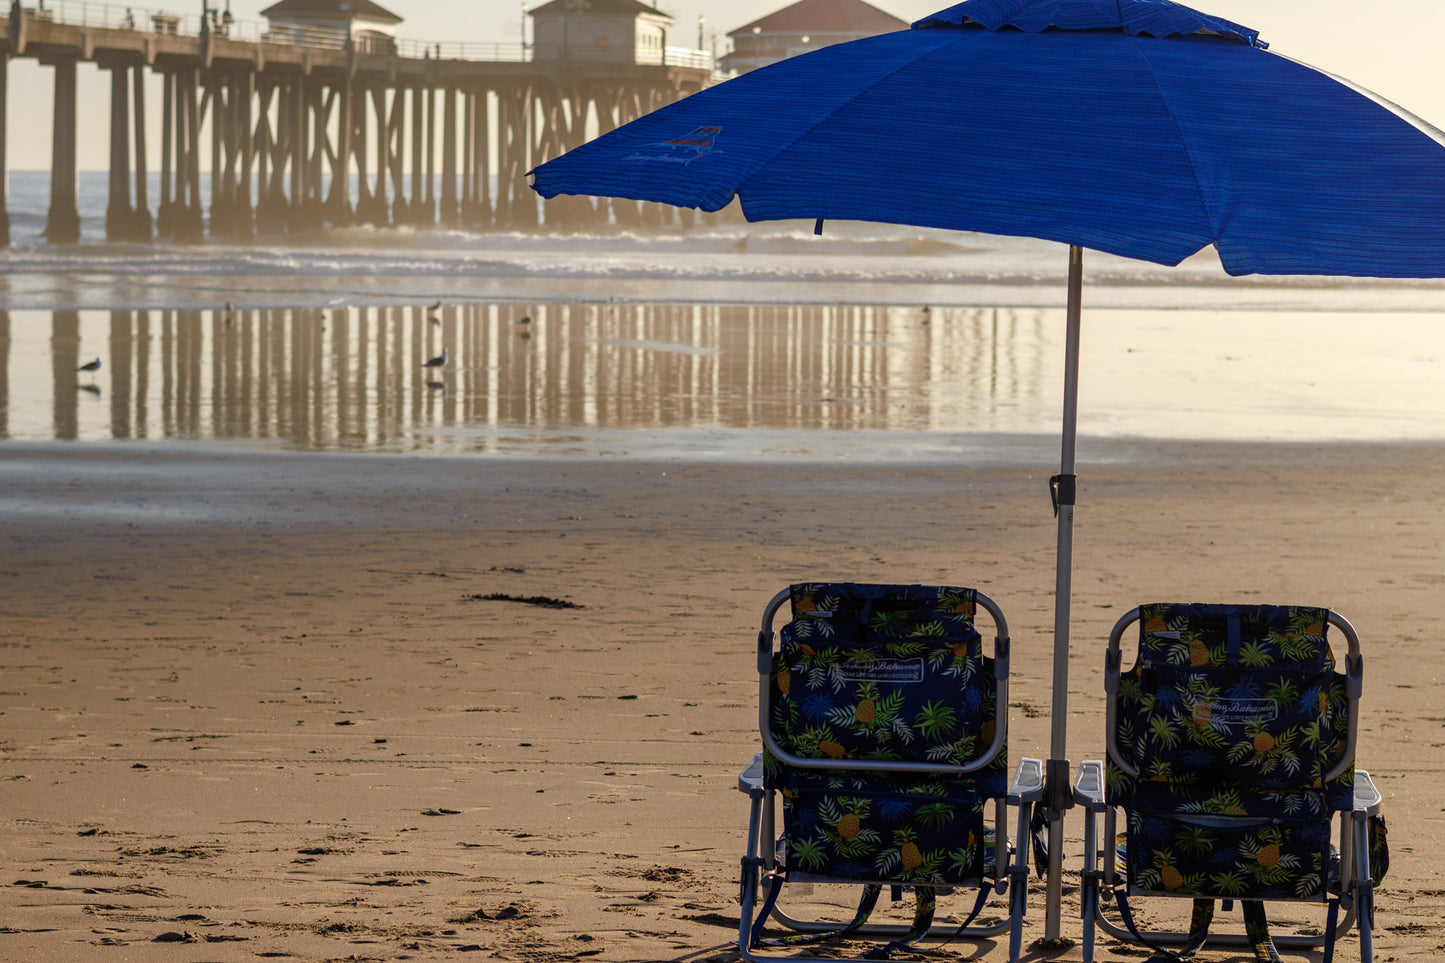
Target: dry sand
(249, 707)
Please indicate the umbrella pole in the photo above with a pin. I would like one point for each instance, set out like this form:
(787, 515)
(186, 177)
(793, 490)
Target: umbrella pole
(1058, 793)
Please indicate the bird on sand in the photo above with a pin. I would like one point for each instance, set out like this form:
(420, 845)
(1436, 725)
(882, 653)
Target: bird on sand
(525, 319)
(90, 366)
(440, 361)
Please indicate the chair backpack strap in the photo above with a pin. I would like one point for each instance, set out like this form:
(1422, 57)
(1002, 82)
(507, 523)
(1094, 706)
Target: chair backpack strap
(866, 902)
(921, 926)
(1199, 921)
(1037, 825)
(978, 904)
(774, 883)
(1233, 637)
(1332, 928)
(1256, 930)
(925, 901)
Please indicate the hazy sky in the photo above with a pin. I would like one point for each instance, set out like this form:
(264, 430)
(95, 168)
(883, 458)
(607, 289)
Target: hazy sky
(1394, 52)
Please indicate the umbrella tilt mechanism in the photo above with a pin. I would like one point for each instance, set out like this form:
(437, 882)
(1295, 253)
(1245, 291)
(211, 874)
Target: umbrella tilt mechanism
(1063, 490)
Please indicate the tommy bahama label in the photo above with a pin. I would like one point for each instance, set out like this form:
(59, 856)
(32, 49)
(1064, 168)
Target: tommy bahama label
(1234, 712)
(896, 671)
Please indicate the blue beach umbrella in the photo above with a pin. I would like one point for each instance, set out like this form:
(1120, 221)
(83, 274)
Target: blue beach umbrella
(1142, 128)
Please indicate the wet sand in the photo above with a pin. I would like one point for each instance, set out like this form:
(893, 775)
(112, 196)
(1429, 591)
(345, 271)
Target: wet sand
(253, 706)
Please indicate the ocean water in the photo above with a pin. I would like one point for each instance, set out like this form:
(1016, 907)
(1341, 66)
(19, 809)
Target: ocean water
(732, 341)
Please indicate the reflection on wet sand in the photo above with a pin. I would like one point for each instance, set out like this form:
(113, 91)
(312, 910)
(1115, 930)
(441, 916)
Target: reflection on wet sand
(493, 376)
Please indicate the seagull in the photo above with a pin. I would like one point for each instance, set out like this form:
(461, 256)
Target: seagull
(91, 366)
(440, 361)
(525, 319)
(436, 306)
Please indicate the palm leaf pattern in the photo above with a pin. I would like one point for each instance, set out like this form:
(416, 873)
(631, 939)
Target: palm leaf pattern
(884, 672)
(1232, 715)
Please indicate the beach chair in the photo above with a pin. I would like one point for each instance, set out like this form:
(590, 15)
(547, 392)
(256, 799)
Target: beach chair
(1230, 753)
(883, 728)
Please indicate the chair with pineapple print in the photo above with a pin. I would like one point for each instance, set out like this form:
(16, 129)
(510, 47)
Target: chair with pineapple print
(1230, 754)
(883, 733)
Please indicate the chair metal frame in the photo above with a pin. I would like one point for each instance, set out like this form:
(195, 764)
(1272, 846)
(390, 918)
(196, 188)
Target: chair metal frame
(1356, 886)
(760, 858)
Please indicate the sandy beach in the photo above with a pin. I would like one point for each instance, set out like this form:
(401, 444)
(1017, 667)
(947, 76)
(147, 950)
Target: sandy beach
(253, 706)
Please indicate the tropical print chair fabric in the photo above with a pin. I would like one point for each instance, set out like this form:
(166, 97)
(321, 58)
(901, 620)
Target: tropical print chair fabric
(1229, 857)
(884, 672)
(876, 831)
(1232, 715)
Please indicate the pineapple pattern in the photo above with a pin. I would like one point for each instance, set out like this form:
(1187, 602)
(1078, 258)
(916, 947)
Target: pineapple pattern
(880, 831)
(1228, 857)
(1232, 715)
(1234, 693)
(884, 672)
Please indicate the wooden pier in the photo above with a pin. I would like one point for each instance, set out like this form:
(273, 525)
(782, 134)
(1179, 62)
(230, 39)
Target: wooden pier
(303, 136)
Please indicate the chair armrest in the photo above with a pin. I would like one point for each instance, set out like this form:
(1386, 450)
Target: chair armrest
(1367, 797)
(1028, 784)
(1089, 785)
(750, 780)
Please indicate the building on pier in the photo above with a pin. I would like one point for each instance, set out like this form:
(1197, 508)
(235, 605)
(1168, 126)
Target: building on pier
(616, 31)
(369, 27)
(801, 27)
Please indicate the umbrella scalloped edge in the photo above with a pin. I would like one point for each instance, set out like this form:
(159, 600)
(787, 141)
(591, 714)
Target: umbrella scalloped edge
(1153, 18)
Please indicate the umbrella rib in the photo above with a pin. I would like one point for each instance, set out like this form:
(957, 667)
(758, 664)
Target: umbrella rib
(1184, 142)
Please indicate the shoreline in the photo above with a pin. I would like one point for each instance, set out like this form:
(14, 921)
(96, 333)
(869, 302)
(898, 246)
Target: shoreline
(180, 484)
(101, 288)
(730, 264)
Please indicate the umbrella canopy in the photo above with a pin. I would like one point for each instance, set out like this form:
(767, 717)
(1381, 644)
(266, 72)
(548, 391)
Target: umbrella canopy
(1138, 127)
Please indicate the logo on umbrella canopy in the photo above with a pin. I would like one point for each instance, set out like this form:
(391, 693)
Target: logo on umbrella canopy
(680, 150)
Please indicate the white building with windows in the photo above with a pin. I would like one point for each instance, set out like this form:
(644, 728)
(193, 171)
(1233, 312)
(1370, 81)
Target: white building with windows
(621, 31)
(369, 26)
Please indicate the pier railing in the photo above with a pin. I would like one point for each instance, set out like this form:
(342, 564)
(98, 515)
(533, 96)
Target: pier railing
(112, 16)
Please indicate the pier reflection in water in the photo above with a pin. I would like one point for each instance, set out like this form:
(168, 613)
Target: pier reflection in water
(517, 378)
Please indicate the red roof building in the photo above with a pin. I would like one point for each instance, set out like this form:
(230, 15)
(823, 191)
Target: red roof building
(806, 25)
